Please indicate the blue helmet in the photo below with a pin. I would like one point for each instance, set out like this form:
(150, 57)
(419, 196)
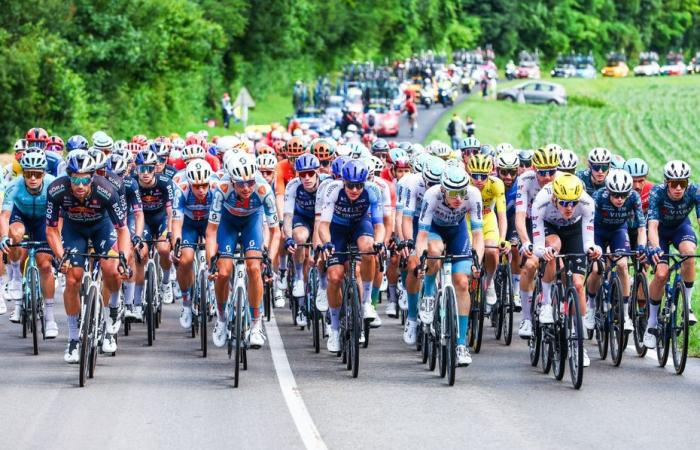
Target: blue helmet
(637, 167)
(146, 158)
(355, 171)
(76, 142)
(337, 166)
(306, 162)
(80, 162)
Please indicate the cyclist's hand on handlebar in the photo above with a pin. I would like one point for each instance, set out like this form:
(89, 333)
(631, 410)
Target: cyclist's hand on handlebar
(549, 254)
(379, 247)
(327, 249)
(291, 245)
(641, 253)
(595, 252)
(504, 246)
(407, 247)
(656, 253)
(5, 243)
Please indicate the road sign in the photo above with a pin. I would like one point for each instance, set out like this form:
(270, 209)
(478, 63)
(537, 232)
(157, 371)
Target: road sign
(244, 101)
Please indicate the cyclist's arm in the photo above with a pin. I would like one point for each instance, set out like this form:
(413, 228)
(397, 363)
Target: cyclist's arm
(478, 243)
(53, 237)
(124, 241)
(5, 222)
(290, 194)
(652, 233)
(324, 231)
(177, 229)
(210, 243)
(521, 227)
(421, 242)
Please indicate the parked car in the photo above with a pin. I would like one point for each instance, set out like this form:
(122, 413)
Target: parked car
(648, 65)
(535, 92)
(528, 69)
(616, 66)
(315, 119)
(585, 66)
(565, 67)
(382, 120)
(675, 65)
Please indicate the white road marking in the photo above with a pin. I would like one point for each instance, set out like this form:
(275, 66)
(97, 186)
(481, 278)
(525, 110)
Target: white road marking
(292, 395)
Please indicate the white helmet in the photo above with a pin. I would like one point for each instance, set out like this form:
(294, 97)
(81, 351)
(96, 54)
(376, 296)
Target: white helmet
(120, 146)
(21, 145)
(33, 159)
(676, 170)
(507, 160)
(567, 160)
(198, 171)
(454, 178)
(102, 141)
(504, 147)
(618, 181)
(203, 133)
(554, 148)
(242, 167)
(193, 151)
(375, 164)
(455, 163)
(226, 143)
(439, 149)
(267, 161)
(599, 155)
(343, 150)
(178, 144)
(433, 169)
(99, 157)
(117, 164)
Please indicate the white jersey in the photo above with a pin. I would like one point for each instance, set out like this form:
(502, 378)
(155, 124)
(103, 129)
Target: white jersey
(321, 193)
(528, 187)
(544, 210)
(436, 211)
(400, 193)
(386, 195)
(414, 188)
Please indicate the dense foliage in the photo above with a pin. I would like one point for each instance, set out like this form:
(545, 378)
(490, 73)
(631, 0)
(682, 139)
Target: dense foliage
(146, 65)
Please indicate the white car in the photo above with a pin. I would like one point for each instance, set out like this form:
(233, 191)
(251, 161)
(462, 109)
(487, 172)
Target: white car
(647, 69)
(673, 68)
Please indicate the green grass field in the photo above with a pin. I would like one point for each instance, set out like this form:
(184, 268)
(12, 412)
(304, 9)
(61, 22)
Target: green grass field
(653, 118)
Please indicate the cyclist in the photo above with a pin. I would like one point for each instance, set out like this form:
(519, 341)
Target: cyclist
(91, 210)
(568, 161)
(507, 170)
(324, 150)
(24, 212)
(162, 147)
(614, 206)
(495, 222)
(193, 200)
(236, 216)
(469, 146)
(525, 158)
(598, 166)
(670, 204)
(563, 222)
(639, 170)
(443, 228)
(529, 185)
(351, 215)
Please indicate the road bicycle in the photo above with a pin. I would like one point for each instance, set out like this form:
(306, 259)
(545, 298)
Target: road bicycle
(502, 311)
(152, 302)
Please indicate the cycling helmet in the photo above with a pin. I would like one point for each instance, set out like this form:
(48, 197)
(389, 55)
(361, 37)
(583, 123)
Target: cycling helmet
(37, 137)
(140, 139)
(406, 146)
(196, 139)
(507, 160)
(323, 149)
(226, 143)
(618, 181)
(117, 164)
(376, 164)
(470, 142)
(525, 155)
(355, 171)
(20, 145)
(76, 142)
(101, 141)
(544, 158)
(80, 162)
(454, 178)
(146, 158)
(487, 149)
(306, 162)
(160, 148)
(263, 149)
(242, 167)
(637, 167)
(554, 148)
(676, 170)
(178, 144)
(193, 151)
(55, 144)
(198, 171)
(380, 146)
(119, 146)
(433, 169)
(480, 163)
(99, 157)
(295, 147)
(418, 162)
(357, 150)
(567, 187)
(203, 133)
(394, 154)
(504, 147)
(439, 149)
(402, 162)
(33, 159)
(567, 160)
(266, 161)
(617, 162)
(599, 155)
(418, 148)
(455, 163)
(337, 165)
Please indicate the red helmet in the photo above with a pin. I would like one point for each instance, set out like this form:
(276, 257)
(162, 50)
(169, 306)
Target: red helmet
(133, 147)
(264, 148)
(278, 146)
(367, 139)
(162, 139)
(37, 137)
(140, 139)
(196, 139)
(393, 144)
(55, 144)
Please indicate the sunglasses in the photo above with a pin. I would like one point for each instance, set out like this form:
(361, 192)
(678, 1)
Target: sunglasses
(309, 174)
(600, 167)
(325, 163)
(267, 173)
(675, 184)
(525, 164)
(354, 186)
(162, 159)
(457, 194)
(480, 176)
(546, 172)
(81, 181)
(146, 169)
(381, 155)
(619, 196)
(568, 203)
(242, 184)
(200, 186)
(28, 174)
(471, 151)
(507, 172)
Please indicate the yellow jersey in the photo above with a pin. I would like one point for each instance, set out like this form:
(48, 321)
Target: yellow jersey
(493, 195)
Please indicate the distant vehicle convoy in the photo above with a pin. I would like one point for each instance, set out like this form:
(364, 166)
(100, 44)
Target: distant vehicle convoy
(535, 92)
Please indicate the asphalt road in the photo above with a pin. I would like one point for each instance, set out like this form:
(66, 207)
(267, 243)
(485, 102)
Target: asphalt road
(168, 396)
(427, 118)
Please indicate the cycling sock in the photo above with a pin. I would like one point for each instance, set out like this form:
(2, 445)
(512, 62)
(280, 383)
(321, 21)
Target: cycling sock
(48, 310)
(138, 291)
(254, 312)
(392, 293)
(166, 276)
(488, 280)
(129, 288)
(516, 282)
(463, 327)
(626, 299)
(186, 303)
(404, 274)
(412, 306)
(73, 327)
(114, 299)
(335, 318)
(375, 296)
(653, 313)
(220, 314)
(590, 300)
(525, 298)
(429, 284)
(688, 288)
(283, 262)
(324, 280)
(298, 271)
(366, 291)
(16, 271)
(547, 291)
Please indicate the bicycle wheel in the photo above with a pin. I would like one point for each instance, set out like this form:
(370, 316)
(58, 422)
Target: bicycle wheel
(451, 334)
(639, 312)
(441, 348)
(558, 344)
(150, 305)
(663, 338)
(267, 299)
(315, 314)
(534, 343)
(290, 285)
(86, 331)
(601, 331)
(203, 307)
(424, 345)
(97, 336)
(497, 311)
(679, 332)
(574, 336)
(617, 322)
(33, 280)
(356, 329)
(548, 336)
(237, 334)
(508, 307)
(479, 316)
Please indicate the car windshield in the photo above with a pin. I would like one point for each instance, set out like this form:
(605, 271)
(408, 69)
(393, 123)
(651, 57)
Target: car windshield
(309, 113)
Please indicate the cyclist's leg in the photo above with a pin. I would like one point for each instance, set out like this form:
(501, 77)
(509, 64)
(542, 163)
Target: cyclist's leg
(73, 239)
(302, 228)
(336, 273)
(620, 243)
(572, 242)
(14, 271)
(658, 282)
(458, 242)
(491, 239)
(603, 238)
(686, 244)
(252, 245)
(363, 236)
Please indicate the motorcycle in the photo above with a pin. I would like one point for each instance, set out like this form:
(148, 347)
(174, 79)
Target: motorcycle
(445, 97)
(426, 97)
(466, 84)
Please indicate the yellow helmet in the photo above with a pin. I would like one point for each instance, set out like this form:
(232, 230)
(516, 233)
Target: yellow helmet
(545, 158)
(567, 187)
(480, 164)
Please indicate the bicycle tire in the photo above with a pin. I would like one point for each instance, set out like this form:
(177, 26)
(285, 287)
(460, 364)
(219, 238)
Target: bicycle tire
(203, 307)
(617, 322)
(663, 339)
(534, 343)
(441, 349)
(356, 330)
(267, 299)
(574, 334)
(498, 309)
(150, 306)
(33, 280)
(639, 313)
(237, 334)
(24, 318)
(548, 336)
(85, 326)
(601, 330)
(480, 317)
(451, 335)
(424, 347)
(559, 336)
(98, 331)
(316, 316)
(509, 309)
(679, 333)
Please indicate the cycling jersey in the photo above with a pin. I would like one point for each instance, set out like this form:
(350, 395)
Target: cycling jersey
(128, 192)
(284, 172)
(102, 203)
(493, 195)
(156, 198)
(401, 193)
(187, 206)
(299, 201)
(511, 195)
(339, 209)
(610, 216)
(391, 182)
(413, 191)
(585, 176)
(435, 210)
(55, 165)
(387, 194)
(169, 171)
(30, 205)
(670, 213)
(321, 194)
(528, 188)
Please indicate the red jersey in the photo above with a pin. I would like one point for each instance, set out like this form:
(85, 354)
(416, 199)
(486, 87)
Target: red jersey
(646, 190)
(284, 173)
(386, 175)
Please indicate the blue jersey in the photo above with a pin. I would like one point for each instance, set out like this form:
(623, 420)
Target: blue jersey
(32, 206)
(511, 196)
(671, 213)
(128, 191)
(227, 203)
(299, 201)
(187, 205)
(608, 216)
(339, 209)
(155, 199)
(585, 176)
(101, 203)
(55, 165)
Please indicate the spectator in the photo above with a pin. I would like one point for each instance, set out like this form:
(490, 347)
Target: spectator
(471, 128)
(455, 129)
(226, 109)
